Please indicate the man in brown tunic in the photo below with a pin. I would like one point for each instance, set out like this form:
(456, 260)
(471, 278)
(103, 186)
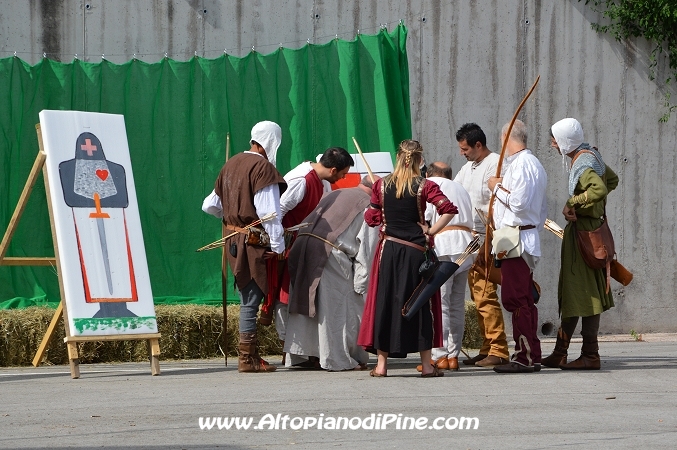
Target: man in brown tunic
(249, 188)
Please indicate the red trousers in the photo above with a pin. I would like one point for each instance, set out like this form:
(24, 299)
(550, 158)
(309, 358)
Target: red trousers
(517, 298)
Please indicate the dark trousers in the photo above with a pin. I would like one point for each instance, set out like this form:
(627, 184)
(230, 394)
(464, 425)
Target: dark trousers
(589, 329)
(516, 288)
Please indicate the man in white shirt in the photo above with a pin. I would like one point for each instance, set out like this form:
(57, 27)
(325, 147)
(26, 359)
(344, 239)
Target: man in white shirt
(521, 202)
(474, 175)
(450, 242)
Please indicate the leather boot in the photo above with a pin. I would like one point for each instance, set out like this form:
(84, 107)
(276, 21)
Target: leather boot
(249, 359)
(589, 359)
(559, 355)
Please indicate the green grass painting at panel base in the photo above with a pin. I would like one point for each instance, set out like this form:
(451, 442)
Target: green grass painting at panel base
(177, 115)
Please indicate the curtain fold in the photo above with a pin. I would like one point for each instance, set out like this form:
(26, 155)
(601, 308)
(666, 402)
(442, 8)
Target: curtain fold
(177, 115)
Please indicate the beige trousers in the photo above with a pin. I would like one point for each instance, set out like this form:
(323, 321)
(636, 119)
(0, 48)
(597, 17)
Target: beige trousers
(489, 315)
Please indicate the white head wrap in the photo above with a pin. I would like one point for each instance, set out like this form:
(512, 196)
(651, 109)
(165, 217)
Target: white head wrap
(269, 135)
(568, 134)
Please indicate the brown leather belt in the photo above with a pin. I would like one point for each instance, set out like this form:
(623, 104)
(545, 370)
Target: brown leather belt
(238, 229)
(403, 242)
(455, 227)
(527, 227)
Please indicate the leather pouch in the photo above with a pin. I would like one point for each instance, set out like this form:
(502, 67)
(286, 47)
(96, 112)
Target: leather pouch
(597, 246)
(506, 243)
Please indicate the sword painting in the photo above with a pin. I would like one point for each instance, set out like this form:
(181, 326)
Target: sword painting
(96, 191)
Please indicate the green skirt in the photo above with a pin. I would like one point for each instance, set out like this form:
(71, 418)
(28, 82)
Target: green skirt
(580, 291)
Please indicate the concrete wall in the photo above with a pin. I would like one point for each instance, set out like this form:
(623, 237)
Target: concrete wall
(469, 61)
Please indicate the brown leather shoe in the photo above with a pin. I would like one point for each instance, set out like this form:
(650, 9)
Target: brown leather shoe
(442, 364)
(588, 361)
(472, 361)
(559, 354)
(491, 361)
(453, 363)
(513, 367)
(555, 360)
(419, 368)
(312, 363)
(249, 359)
(251, 364)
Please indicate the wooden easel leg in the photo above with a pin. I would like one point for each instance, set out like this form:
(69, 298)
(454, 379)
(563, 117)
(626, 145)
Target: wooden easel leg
(48, 335)
(154, 350)
(73, 359)
(23, 199)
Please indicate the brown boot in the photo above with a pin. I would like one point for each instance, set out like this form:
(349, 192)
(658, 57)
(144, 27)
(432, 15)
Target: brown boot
(589, 359)
(559, 355)
(249, 359)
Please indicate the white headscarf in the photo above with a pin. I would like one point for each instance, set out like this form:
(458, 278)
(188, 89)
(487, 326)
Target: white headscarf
(568, 134)
(269, 135)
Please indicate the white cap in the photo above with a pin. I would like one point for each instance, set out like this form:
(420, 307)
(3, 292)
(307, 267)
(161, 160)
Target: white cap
(568, 134)
(269, 136)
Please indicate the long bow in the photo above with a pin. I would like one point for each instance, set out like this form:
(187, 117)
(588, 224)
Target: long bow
(490, 213)
(364, 160)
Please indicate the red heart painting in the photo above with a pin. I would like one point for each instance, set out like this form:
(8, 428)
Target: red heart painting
(103, 174)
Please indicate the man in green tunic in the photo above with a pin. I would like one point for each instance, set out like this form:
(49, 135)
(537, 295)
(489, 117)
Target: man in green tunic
(582, 291)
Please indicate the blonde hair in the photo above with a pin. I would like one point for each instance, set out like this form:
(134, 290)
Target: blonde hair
(407, 162)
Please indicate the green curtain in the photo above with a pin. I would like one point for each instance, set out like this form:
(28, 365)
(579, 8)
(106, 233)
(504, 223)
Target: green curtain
(177, 115)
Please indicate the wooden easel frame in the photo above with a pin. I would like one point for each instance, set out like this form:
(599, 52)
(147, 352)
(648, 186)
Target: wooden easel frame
(61, 311)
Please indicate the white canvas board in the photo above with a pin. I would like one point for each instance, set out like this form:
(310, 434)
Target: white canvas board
(380, 163)
(98, 228)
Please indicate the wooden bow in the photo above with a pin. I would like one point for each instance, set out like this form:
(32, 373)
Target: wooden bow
(490, 213)
(364, 160)
(224, 280)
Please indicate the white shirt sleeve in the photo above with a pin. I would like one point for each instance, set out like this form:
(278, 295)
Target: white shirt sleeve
(429, 212)
(367, 239)
(212, 205)
(296, 190)
(521, 193)
(502, 195)
(267, 200)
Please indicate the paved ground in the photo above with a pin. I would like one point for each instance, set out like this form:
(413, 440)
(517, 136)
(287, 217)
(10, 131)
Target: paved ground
(630, 403)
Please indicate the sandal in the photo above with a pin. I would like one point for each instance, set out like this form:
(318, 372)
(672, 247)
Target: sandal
(373, 373)
(434, 374)
(361, 367)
